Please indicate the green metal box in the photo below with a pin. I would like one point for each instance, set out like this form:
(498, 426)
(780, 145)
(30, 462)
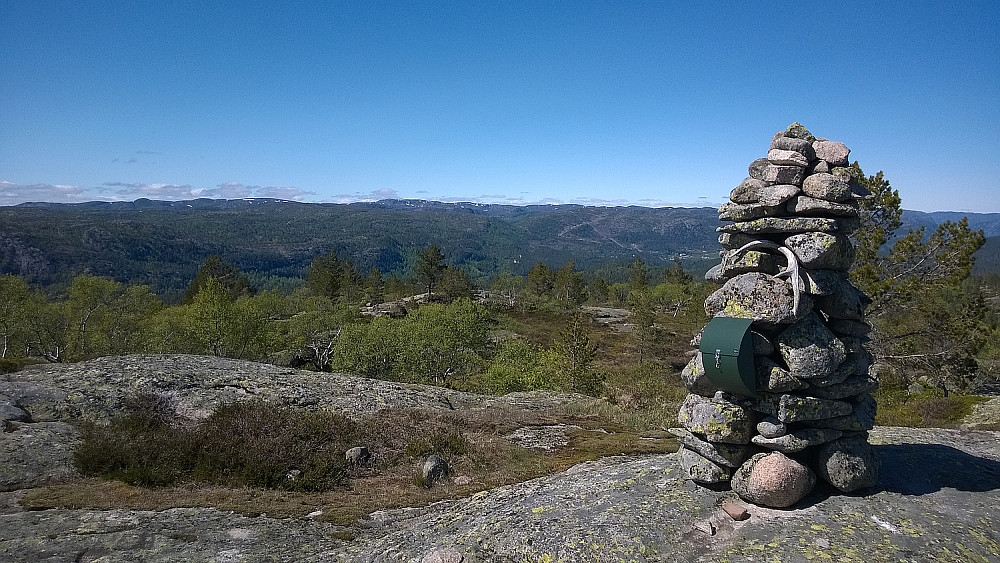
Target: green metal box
(727, 353)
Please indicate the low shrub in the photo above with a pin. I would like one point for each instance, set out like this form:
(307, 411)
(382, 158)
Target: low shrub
(252, 444)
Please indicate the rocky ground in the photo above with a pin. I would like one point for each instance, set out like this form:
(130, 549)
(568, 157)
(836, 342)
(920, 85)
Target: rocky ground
(935, 499)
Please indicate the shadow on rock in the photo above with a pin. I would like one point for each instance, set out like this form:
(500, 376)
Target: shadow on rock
(920, 469)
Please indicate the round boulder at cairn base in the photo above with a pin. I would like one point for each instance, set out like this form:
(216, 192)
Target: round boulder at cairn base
(774, 480)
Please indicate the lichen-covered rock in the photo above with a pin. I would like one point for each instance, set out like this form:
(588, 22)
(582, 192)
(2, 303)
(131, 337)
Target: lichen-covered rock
(826, 186)
(797, 440)
(695, 379)
(730, 211)
(734, 264)
(97, 389)
(774, 378)
(849, 464)
(846, 369)
(701, 470)
(861, 419)
(850, 387)
(35, 454)
(757, 168)
(809, 349)
(822, 251)
(774, 480)
(717, 420)
(810, 206)
(796, 130)
(778, 225)
(792, 408)
(766, 299)
(725, 455)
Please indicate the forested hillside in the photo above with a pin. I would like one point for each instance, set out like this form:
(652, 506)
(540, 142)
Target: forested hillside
(161, 244)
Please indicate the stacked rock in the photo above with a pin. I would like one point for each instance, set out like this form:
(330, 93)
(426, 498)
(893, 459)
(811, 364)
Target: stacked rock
(787, 253)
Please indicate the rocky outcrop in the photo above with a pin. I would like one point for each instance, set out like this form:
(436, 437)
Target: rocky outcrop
(810, 405)
(616, 509)
(97, 389)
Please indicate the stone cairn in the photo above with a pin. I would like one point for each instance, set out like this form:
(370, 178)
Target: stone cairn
(785, 264)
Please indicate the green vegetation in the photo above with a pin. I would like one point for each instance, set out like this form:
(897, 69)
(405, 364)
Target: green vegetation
(929, 318)
(532, 326)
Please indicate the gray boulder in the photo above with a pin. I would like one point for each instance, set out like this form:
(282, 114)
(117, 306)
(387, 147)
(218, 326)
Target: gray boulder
(725, 455)
(10, 411)
(834, 152)
(861, 419)
(809, 349)
(766, 299)
(778, 174)
(37, 454)
(774, 378)
(358, 455)
(747, 192)
(757, 168)
(800, 146)
(849, 464)
(717, 420)
(731, 241)
(826, 186)
(821, 282)
(822, 251)
(850, 387)
(695, 379)
(797, 440)
(434, 470)
(774, 480)
(810, 206)
(792, 408)
(789, 225)
(734, 264)
(730, 211)
(701, 470)
(778, 194)
(771, 427)
(787, 158)
(796, 131)
(818, 166)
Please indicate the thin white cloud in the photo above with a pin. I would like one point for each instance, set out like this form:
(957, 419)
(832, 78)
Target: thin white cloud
(13, 194)
(230, 190)
(284, 192)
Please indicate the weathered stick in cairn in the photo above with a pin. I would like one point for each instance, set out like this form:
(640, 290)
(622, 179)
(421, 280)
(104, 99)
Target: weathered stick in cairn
(803, 406)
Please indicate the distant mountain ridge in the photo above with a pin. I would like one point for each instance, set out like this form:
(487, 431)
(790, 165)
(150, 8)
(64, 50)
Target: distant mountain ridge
(162, 243)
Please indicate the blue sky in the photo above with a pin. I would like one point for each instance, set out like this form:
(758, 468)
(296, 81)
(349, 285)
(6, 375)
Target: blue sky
(649, 103)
